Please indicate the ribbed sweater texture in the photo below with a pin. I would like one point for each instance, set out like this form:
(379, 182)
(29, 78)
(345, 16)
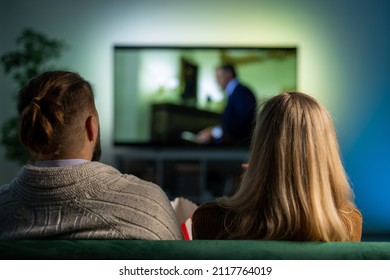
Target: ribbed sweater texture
(86, 201)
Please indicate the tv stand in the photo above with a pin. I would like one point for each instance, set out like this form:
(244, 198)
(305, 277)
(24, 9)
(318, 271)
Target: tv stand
(199, 174)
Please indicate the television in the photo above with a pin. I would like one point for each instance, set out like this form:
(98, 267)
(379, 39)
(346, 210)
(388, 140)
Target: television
(164, 95)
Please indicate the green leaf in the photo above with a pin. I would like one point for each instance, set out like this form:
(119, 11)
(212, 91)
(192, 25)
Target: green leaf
(34, 53)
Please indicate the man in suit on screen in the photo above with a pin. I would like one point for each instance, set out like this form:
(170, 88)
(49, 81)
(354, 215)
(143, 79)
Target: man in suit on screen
(238, 116)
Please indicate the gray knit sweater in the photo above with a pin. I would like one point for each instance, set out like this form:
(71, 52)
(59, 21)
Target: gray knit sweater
(87, 201)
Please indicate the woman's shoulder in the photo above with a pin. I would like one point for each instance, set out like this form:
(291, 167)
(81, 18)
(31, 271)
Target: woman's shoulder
(208, 220)
(354, 222)
(353, 213)
(208, 210)
(209, 205)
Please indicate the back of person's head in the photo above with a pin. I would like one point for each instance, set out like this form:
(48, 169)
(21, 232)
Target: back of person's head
(229, 68)
(51, 109)
(295, 187)
(224, 74)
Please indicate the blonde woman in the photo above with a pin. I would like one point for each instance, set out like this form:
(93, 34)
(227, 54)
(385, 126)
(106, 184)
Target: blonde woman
(295, 186)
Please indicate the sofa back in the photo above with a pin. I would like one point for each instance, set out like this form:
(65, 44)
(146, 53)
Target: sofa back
(191, 250)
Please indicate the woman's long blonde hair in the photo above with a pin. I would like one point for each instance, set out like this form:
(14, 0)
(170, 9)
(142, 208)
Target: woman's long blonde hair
(295, 187)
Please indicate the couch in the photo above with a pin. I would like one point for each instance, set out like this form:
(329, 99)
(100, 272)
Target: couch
(191, 250)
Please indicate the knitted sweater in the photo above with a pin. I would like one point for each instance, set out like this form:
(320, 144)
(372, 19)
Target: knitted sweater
(209, 222)
(86, 201)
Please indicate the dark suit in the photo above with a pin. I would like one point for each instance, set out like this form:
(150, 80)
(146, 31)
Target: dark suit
(238, 116)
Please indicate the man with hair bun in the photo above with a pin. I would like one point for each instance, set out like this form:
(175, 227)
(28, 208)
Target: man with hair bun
(67, 193)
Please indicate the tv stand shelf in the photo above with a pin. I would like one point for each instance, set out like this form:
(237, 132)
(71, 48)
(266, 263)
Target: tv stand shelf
(199, 174)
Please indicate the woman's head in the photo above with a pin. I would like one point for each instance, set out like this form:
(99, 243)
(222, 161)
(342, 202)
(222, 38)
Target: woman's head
(295, 175)
(51, 109)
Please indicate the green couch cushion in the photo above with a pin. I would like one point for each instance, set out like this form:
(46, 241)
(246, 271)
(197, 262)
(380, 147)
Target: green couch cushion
(191, 250)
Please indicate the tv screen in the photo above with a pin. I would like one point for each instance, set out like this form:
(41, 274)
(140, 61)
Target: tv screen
(164, 95)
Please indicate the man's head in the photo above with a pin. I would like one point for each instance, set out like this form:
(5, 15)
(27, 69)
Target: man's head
(224, 74)
(58, 117)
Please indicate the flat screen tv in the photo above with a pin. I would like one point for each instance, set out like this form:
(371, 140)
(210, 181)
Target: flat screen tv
(163, 95)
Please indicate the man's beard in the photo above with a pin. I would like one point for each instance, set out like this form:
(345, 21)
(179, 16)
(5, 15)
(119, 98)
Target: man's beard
(97, 151)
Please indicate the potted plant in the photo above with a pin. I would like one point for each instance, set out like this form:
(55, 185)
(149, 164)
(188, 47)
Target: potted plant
(35, 52)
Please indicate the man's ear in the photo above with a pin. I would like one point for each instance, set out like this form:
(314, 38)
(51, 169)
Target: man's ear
(91, 126)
